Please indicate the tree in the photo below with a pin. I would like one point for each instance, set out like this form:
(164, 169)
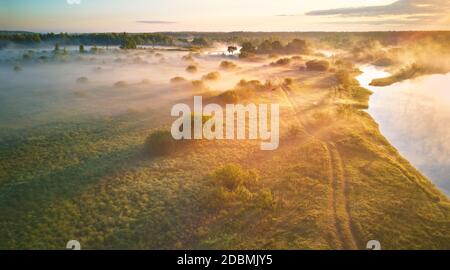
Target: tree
(160, 143)
(248, 47)
(265, 47)
(128, 44)
(56, 47)
(297, 46)
(232, 49)
(232, 176)
(343, 77)
(247, 50)
(82, 48)
(276, 46)
(317, 65)
(200, 42)
(87, 39)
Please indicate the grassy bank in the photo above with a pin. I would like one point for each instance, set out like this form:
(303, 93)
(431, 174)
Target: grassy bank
(410, 72)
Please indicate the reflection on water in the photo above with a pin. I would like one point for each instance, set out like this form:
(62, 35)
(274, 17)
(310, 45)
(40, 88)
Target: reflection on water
(414, 116)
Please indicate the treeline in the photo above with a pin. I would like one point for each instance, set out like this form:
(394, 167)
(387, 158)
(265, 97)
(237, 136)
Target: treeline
(333, 39)
(100, 39)
(342, 40)
(296, 46)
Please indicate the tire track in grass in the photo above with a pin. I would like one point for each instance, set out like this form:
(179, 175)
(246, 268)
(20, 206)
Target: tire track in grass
(341, 220)
(340, 200)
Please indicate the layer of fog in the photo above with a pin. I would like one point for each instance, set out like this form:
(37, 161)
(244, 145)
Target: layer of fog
(40, 86)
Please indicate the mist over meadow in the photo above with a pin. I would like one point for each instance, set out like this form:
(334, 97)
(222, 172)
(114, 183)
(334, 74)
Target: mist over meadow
(86, 150)
(40, 86)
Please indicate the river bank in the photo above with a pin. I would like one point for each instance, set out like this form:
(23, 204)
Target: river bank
(412, 116)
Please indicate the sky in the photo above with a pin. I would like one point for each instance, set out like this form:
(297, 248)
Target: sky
(223, 15)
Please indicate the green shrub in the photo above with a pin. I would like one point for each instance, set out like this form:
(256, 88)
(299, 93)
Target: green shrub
(191, 69)
(227, 65)
(199, 85)
(233, 176)
(345, 64)
(212, 76)
(317, 65)
(178, 79)
(200, 41)
(264, 199)
(297, 46)
(288, 81)
(230, 96)
(253, 85)
(344, 78)
(384, 62)
(247, 49)
(82, 80)
(160, 143)
(128, 44)
(281, 62)
(121, 84)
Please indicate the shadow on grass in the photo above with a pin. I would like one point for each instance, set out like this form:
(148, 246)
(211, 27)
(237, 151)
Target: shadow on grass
(41, 191)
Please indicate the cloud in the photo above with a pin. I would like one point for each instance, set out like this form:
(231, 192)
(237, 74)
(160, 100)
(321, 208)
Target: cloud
(155, 22)
(286, 15)
(425, 20)
(399, 7)
(412, 14)
(375, 22)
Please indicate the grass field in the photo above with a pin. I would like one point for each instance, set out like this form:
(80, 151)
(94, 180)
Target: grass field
(81, 170)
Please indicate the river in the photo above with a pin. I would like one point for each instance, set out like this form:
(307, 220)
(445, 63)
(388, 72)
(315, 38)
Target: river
(414, 115)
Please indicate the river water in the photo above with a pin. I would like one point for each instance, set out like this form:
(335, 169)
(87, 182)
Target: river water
(414, 115)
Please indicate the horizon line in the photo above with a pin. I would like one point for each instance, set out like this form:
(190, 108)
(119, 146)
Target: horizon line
(225, 32)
